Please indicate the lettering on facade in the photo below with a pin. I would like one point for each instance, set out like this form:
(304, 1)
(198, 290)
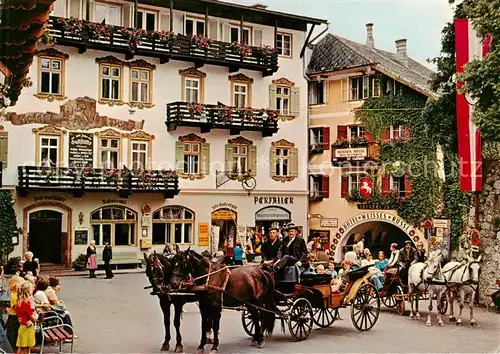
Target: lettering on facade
(54, 198)
(114, 201)
(223, 205)
(273, 200)
(376, 216)
(81, 150)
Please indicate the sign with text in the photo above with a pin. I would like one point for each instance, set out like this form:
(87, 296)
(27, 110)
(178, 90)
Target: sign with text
(273, 200)
(440, 223)
(223, 215)
(329, 222)
(81, 237)
(272, 214)
(203, 232)
(351, 153)
(146, 219)
(81, 150)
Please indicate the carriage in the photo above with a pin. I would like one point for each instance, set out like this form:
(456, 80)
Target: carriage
(311, 301)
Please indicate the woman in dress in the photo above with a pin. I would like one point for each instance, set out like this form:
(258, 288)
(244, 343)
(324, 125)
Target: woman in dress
(92, 259)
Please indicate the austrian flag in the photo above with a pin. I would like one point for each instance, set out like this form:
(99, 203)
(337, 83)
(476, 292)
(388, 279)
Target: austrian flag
(468, 46)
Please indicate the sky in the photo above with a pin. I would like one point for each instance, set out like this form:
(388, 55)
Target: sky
(420, 22)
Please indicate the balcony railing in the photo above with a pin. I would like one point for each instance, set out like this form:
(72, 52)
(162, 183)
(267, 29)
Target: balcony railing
(79, 181)
(317, 196)
(209, 117)
(316, 149)
(162, 45)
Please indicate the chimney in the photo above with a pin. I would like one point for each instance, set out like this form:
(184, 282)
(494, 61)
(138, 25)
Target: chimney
(401, 50)
(370, 42)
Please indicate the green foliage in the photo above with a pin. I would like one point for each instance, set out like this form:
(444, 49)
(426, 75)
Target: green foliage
(8, 225)
(80, 263)
(11, 265)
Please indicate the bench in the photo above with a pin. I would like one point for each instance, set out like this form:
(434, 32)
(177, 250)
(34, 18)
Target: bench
(54, 331)
(122, 258)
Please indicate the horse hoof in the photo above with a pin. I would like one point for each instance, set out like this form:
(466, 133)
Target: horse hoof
(453, 319)
(412, 317)
(261, 345)
(459, 323)
(428, 324)
(179, 349)
(253, 343)
(165, 348)
(441, 323)
(473, 324)
(417, 317)
(214, 351)
(210, 341)
(200, 351)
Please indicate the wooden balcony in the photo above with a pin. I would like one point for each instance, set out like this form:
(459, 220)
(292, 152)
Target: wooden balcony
(208, 117)
(161, 45)
(78, 181)
(317, 196)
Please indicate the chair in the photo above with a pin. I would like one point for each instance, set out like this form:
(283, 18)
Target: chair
(54, 330)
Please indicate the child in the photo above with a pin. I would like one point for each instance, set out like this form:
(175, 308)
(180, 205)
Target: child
(12, 321)
(27, 318)
(320, 269)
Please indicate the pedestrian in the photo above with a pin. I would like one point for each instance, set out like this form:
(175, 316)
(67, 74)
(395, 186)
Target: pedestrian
(107, 256)
(30, 265)
(12, 326)
(27, 318)
(238, 254)
(420, 252)
(92, 259)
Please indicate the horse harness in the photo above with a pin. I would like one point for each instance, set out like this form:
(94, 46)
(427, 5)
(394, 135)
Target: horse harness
(467, 267)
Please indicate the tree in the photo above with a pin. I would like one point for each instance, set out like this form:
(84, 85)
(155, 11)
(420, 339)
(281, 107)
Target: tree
(8, 224)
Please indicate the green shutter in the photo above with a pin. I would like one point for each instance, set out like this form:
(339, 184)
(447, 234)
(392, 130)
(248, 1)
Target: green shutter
(229, 158)
(205, 159)
(295, 101)
(294, 162)
(272, 161)
(272, 96)
(4, 148)
(179, 156)
(252, 160)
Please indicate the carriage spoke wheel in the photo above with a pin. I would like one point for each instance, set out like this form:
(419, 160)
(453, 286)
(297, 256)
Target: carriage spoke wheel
(300, 320)
(248, 323)
(400, 301)
(324, 317)
(390, 301)
(365, 307)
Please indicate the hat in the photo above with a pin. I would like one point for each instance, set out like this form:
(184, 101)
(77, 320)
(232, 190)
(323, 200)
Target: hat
(274, 228)
(408, 242)
(291, 226)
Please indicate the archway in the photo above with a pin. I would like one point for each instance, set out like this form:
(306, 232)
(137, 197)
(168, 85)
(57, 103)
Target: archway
(224, 230)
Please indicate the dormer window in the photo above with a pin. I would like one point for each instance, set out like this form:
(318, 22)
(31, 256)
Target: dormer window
(359, 88)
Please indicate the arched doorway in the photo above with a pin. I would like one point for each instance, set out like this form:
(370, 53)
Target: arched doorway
(224, 223)
(45, 230)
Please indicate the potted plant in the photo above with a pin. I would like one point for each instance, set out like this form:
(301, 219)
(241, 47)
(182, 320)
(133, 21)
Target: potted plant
(80, 263)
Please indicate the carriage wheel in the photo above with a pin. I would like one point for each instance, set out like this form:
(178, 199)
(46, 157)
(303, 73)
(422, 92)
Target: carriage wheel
(443, 303)
(324, 317)
(389, 301)
(400, 300)
(248, 323)
(300, 320)
(365, 307)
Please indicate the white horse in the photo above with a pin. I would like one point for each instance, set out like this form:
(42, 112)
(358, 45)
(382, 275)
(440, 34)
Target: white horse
(420, 276)
(463, 278)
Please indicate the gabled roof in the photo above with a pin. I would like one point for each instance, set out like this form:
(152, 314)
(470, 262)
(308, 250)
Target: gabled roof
(334, 53)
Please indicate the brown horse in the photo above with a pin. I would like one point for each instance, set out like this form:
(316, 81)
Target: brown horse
(248, 285)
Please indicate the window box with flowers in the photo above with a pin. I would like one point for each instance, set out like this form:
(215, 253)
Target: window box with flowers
(264, 51)
(240, 49)
(197, 111)
(316, 148)
(199, 41)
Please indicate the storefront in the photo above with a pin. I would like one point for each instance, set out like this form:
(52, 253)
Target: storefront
(224, 222)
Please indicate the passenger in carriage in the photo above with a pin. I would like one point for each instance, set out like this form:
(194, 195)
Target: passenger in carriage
(293, 250)
(331, 269)
(377, 277)
(407, 256)
(382, 262)
(271, 245)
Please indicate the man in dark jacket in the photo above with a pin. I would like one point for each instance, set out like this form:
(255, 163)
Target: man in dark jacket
(293, 249)
(272, 245)
(107, 256)
(407, 256)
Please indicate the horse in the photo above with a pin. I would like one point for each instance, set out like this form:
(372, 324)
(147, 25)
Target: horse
(246, 285)
(464, 279)
(159, 271)
(420, 276)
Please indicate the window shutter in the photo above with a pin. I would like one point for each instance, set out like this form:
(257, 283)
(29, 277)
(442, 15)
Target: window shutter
(164, 22)
(294, 162)
(127, 15)
(4, 148)
(385, 135)
(325, 186)
(226, 32)
(295, 101)
(326, 138)
(229, 158)
(407, 185)
(179, 156)
(184, 24)
(366, 86)
(272, 161)
(272, 96)
(341, 132)
(205, 159)
(325, 92)
(386, 186)
(344, 187)
(368, 136)
(257, 37)
(213, 32)
(344, 89)
(252, 160)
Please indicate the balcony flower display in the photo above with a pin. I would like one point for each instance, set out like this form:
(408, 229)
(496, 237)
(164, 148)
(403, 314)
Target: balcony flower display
(195, 109)
(134, 36)
(201, 42)
(265, 51)
(72, 25)
(226, 114)
(99, 31)
(168, 173)
(240, 49)
(247, 113)
(165, 37)
(270, 113)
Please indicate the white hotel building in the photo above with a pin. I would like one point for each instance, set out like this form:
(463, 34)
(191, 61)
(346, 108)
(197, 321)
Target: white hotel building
(108, 101)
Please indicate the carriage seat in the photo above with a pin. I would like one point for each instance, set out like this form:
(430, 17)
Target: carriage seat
(315, 279)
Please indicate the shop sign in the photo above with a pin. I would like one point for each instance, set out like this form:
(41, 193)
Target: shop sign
(273, 200)
(81, 237)
(224, 205)
(440, 223)
(203, 228)
(223, 215)
(329, 222)
(376, 216)
(146, 219)
(354, 153)
(81, 150)
(366, 187)
(272, 213)
(114, 201)
(54, 198)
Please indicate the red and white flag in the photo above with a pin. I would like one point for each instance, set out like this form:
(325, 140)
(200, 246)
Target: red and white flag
(468, 46)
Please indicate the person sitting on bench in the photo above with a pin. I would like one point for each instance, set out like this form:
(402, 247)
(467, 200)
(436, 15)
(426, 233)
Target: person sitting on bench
(293, 250)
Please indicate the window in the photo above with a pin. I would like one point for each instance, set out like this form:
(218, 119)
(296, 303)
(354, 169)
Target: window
(191, 158)
(240, 159)
(115, 225)
(140, 82)
(240, 95)
(399, 131)
(398, 185)
(4, 148)
(282, 157)
(75, 8)
(319, 187)
(317, 92)
(192, 90)
(316, 136)
(235, 35)
(49, 151)
(110, 149)
(356, 132)
(110, 82)
(315, 185)
(139, 152)
(109, 14)
(51, 76)
(375, 87)
(284, 44)
(173, 225)
(359, 88)
(146, 20)
(194, 27)
(283, 99)
(354, 182)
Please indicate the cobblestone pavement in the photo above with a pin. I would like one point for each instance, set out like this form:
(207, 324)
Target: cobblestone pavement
(119, 316)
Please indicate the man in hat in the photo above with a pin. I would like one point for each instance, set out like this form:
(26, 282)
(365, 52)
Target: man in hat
(407, 256)
(271, 245)
(293, 249)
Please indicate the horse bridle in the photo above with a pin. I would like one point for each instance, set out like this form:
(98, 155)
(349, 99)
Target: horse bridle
(158, 269)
